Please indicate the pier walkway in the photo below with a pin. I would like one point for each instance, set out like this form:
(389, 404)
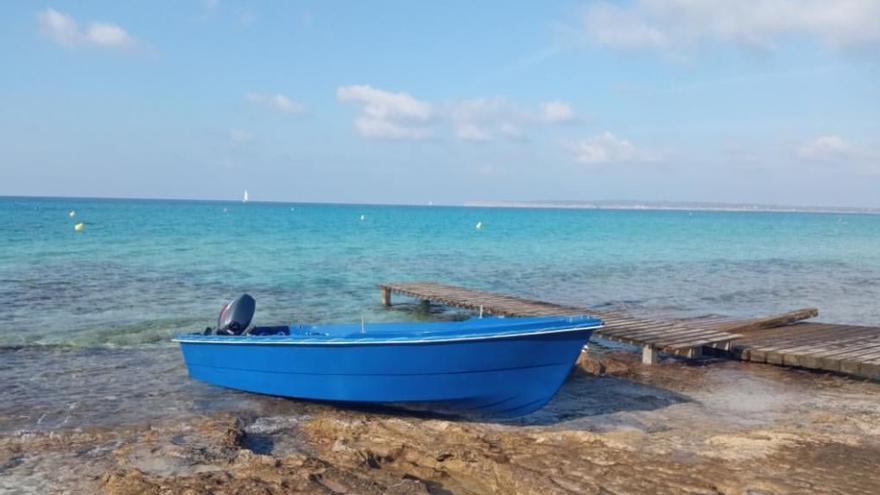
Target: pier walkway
(652, 336)
(781, 339)
(848, 349)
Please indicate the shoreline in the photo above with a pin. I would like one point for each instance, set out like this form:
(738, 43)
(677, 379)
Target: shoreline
(719, 427)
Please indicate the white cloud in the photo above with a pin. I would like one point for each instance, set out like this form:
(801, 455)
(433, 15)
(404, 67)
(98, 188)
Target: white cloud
(278, 101)
(64, 30)
(557, 112)
(470, 132)
(678, 25)
(484, 119)
(608, 148)
(388, 115)
(825, 148)
(110, 35)
(511, 131)
(618, 27)
(59, 27)
(241, 135)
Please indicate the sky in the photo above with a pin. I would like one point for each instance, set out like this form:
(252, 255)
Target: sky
(770, 102)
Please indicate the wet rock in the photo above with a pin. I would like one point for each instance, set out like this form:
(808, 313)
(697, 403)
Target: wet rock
(614, 363)
(726, 427)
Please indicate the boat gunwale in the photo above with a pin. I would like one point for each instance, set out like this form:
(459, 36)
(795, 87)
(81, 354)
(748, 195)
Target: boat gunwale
(289, 339)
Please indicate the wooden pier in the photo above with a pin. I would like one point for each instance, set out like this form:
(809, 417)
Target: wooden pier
(781, 339)
(848, 349)
(651, 335)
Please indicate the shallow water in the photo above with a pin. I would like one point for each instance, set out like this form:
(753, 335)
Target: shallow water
(144, 270)
(50, 388)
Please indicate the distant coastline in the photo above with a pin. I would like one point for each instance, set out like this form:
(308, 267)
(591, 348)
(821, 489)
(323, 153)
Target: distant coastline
(549, 204)
(673, 206)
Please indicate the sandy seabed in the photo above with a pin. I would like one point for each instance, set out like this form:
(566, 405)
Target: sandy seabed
(616, 426)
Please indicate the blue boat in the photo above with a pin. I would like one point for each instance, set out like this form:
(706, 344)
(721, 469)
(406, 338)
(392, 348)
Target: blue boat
(502, 367)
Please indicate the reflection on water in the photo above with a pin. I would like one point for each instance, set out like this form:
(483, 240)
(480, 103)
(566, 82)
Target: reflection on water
(49, 388)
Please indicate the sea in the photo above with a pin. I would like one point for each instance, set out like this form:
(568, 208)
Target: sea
(86, 315)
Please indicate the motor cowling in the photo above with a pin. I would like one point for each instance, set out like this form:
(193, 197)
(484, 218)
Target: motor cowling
(236, 315)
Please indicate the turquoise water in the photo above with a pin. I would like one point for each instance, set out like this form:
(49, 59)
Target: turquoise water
(144, 270)
(87, 316)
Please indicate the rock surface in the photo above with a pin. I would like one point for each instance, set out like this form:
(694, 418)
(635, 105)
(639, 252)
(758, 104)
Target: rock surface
(615, 427)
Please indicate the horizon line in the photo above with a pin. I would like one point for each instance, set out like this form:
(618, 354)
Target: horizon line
(623, 205)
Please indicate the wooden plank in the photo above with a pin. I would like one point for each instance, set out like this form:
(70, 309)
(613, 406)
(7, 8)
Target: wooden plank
(855, 349)
(777, 320)
(853, 365)
(816, 341)
(799, 330)
(814, 344)
(663, 338)
(822, 333)
(870, 370)
(829, 359)
(634, 331)
(648, 328)
(677, 332)
(807, 355)
(680, 342)
(816, 356)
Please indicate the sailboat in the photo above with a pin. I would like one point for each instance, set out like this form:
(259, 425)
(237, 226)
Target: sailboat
(244, 199)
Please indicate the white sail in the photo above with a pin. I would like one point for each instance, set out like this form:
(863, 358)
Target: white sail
(245, 198)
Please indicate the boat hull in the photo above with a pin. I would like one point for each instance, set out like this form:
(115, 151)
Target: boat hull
(506, 376)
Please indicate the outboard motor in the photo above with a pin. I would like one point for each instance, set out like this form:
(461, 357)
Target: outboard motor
(236, 316)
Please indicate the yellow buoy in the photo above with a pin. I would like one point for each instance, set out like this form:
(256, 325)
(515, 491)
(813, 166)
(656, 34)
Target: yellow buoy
(79, 227)
(72, 213)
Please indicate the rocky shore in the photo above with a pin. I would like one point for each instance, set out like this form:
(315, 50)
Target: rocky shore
(615, 427)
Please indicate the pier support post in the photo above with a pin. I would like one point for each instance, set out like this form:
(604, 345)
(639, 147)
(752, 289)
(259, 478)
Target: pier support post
(386, 297)
(695, 352)
(649, 354)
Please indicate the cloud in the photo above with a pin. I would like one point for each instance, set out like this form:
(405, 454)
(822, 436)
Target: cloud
(557, 112)
(64, 30)
(110, 35)
(240, 136)
(388, 115)
(825, 148)
(681, 25)
(608, 148)
(484, 119)
(277, 101)
(470, 132)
